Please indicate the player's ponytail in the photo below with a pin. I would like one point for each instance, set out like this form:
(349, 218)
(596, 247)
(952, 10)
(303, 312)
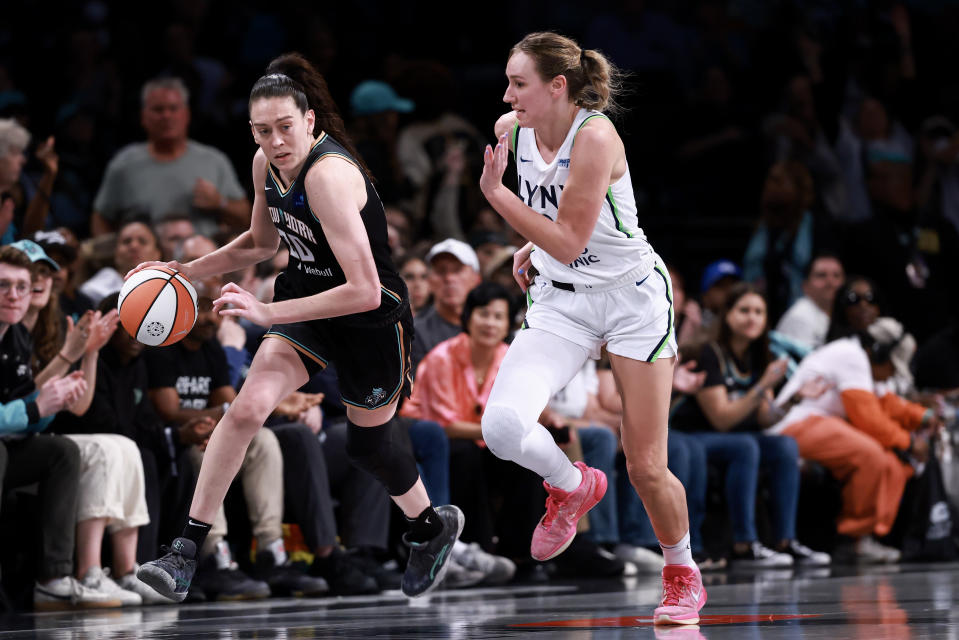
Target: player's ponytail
(593, 81)
(292, 75)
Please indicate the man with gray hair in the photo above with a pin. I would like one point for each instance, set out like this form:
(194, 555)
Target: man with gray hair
(29, 199)
(169, 172)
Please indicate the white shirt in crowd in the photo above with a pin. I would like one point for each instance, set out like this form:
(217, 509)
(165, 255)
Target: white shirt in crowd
(843, 364)
(571, 400)
(805, 323)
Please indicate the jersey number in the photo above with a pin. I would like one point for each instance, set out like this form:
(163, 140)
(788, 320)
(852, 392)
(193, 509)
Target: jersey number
(297, 247)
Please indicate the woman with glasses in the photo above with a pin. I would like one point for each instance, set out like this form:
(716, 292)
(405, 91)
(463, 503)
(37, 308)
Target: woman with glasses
(857, 307)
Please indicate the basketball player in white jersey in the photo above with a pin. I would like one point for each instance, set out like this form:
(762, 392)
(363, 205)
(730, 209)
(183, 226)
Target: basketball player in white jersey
(594, 280)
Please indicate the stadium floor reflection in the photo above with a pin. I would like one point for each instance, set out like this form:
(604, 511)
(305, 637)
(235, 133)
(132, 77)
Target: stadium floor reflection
(900, 602)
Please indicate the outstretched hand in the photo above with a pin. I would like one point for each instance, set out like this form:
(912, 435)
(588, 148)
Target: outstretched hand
(243, 304)
(494, 165)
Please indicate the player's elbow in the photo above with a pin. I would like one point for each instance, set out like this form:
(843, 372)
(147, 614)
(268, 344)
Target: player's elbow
(570, 251)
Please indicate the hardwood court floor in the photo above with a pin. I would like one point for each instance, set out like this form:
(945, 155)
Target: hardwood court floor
(901, 602)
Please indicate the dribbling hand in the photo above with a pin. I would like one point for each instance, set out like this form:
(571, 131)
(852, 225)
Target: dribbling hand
(494, 165)
(243, 305)
(172, 264)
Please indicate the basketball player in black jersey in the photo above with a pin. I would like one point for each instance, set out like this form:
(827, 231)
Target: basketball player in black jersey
(340, 300)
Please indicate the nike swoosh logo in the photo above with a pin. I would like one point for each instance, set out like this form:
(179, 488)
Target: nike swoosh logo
(179, 333)
(522, 159)
(194, 523)
(439, 560)
(268, 188)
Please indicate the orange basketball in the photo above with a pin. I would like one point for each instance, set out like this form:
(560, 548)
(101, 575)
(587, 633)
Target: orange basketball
(157, 306)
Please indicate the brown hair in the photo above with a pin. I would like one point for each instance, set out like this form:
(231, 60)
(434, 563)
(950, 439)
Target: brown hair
(758, 352)
(15, 258)
(48, 334)
(593, 81)
(292, 75)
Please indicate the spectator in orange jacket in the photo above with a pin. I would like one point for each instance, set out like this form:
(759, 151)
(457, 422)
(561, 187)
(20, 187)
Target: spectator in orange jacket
(868, 440)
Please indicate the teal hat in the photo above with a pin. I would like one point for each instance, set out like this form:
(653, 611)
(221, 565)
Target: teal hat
(35, 252)
(372, 96)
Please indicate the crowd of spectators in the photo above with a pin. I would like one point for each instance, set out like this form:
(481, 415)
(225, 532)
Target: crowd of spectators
(798, 161)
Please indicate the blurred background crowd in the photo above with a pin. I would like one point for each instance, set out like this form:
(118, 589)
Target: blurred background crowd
(795, 162)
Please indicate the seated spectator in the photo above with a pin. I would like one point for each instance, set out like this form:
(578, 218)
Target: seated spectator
(718, 278)
(111, 495)
(807, 320)
(172, 231)
(30, 198)
(857, 431)
(782, 245)
(72, 302)
(858, 306)
(728, 414)
(453, 384)
(135, 243)
(169, 172)
(414, 271)
(27, 456)
(454, 271)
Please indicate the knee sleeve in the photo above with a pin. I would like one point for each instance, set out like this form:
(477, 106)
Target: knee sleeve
(503, 431)
(373, 450)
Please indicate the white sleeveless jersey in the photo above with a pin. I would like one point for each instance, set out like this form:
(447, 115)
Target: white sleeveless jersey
(617, 249)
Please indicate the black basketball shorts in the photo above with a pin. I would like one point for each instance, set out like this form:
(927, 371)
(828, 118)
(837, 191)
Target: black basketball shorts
(373, 363)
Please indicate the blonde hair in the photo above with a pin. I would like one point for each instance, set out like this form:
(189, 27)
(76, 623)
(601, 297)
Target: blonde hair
(12, 136)
(594, 82)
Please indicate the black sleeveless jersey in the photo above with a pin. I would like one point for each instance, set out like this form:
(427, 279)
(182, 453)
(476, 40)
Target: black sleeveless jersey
(313, 267)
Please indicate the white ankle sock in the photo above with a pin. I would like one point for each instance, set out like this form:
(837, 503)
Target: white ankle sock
(679, 553)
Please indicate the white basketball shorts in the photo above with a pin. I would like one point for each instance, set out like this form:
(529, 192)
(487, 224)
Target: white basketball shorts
(634, 320)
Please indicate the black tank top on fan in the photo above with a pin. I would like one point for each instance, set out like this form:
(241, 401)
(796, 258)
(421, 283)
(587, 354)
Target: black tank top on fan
(313, 267)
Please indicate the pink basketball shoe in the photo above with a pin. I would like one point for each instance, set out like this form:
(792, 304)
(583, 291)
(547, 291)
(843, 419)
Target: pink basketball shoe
(683, 595)
(557, 528)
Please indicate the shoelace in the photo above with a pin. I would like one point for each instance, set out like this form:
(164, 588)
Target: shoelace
(552, 504)
(172, 555)
(675, 589)
(552, 510)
